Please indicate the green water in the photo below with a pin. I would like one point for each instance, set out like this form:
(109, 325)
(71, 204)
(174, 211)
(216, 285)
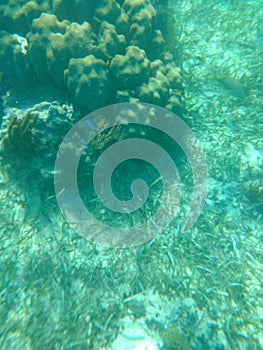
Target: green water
(197, 290)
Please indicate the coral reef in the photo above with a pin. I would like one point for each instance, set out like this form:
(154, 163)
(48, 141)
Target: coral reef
(141, 14)
(17, 16)
(87, 81)
(15, 66)
(131, 70)
(124, 39)
(109, 42)
(76, 42)
(39, 41)
(39, 131)
(19, 135)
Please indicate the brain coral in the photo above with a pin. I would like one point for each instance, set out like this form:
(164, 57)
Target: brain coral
(100, 51)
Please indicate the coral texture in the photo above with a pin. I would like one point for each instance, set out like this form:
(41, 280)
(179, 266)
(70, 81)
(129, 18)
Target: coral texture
(87, 82)
(38, 131)
(101, 52)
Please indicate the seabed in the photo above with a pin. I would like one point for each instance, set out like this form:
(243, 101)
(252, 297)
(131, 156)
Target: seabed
(197, 290)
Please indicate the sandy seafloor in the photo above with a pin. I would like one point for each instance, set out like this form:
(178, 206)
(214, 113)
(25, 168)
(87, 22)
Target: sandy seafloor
(58, 291)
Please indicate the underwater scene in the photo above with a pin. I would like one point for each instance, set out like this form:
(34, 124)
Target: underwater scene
(131, 174)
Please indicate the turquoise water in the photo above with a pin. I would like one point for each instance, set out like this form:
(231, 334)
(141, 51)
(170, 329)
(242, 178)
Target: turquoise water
(196, 290)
